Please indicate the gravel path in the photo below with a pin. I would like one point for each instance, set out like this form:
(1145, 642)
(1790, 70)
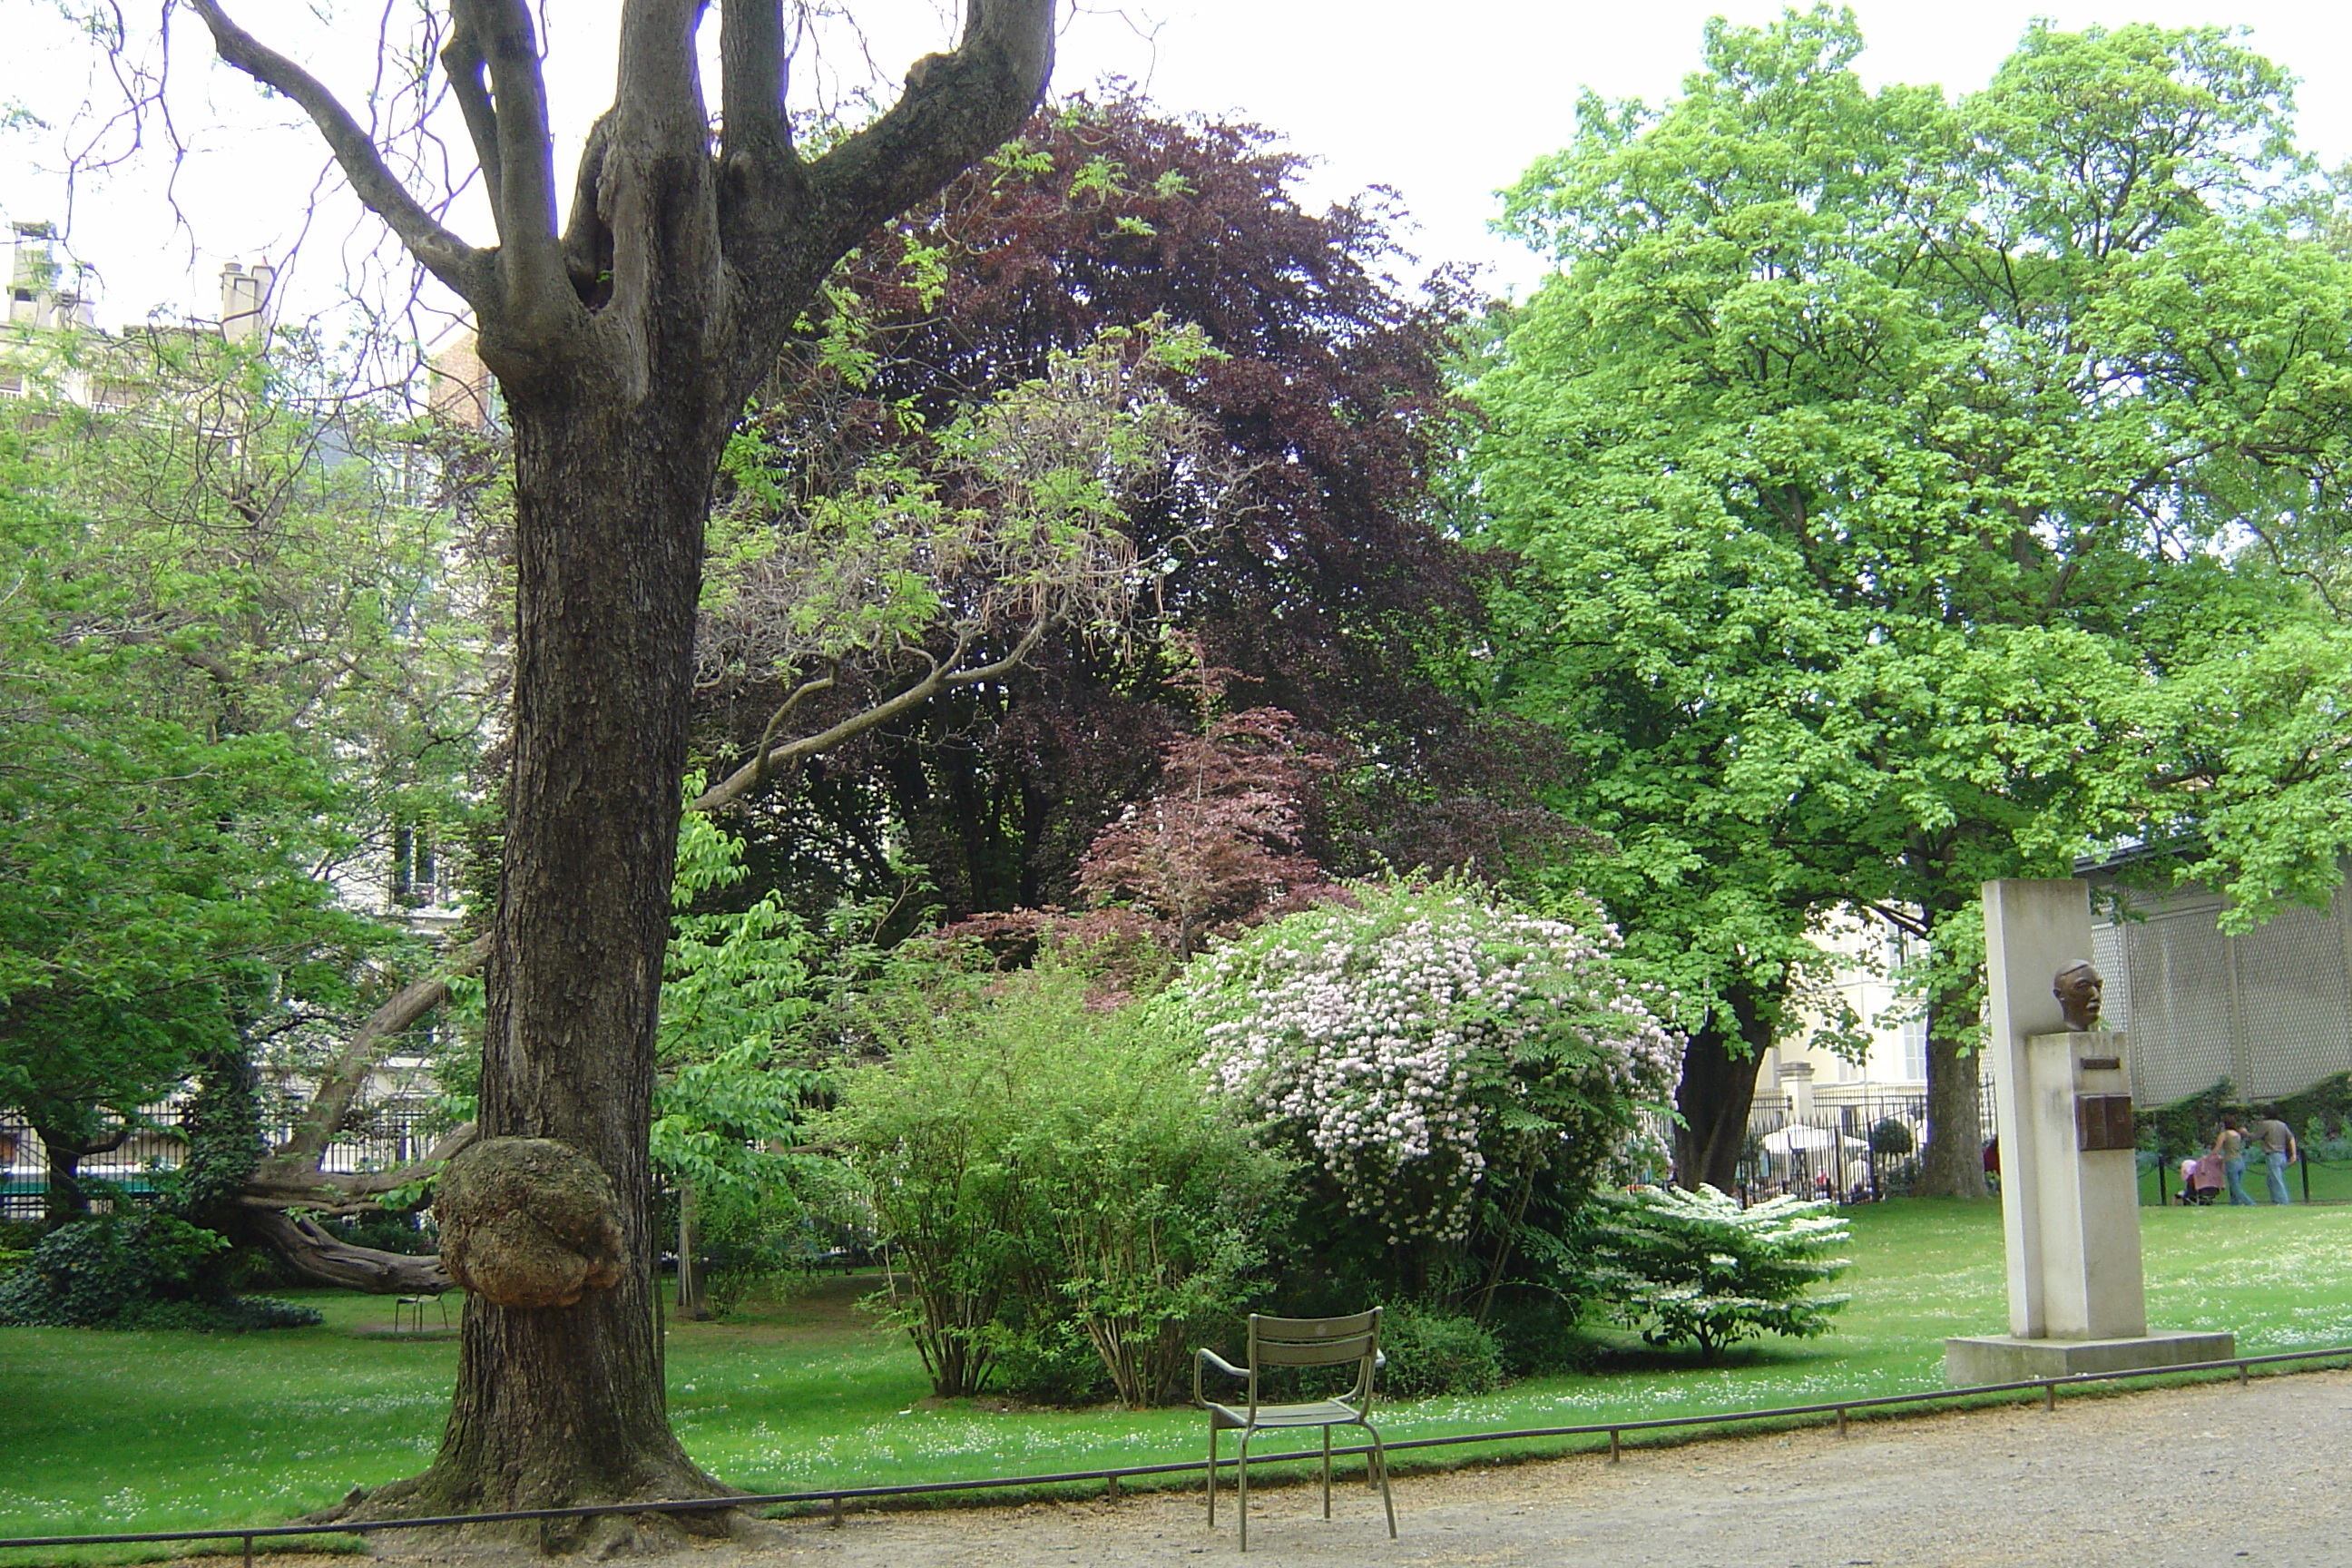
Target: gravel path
(2206, 1477)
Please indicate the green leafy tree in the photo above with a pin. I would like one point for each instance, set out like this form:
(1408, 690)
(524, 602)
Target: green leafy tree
(1880, 466)
(738, 1078)
(157, 894)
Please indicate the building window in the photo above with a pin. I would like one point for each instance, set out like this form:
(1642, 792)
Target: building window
(1915, 1050)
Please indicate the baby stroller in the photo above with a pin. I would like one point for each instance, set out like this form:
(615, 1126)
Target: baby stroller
(2200, 1179)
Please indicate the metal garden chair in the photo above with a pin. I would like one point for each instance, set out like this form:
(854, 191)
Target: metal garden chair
(1299, 1342)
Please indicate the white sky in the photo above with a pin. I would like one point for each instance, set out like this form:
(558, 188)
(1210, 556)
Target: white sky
(1444, 103)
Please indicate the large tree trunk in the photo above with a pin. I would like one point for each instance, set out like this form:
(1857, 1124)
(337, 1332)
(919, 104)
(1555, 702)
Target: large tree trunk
(1952, 1166)
(63, 1199)
(624, 346)
(1718, 1090)
(560, 1404)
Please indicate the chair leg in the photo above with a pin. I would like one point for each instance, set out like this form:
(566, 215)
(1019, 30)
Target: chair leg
(1327, 1472)
(1379, 1457)
(1212, 1476)
(1241, 1491)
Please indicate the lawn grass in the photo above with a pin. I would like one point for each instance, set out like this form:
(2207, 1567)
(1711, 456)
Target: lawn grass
(108, 1432)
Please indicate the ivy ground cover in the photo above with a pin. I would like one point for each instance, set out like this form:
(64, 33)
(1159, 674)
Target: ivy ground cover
(108, 1432)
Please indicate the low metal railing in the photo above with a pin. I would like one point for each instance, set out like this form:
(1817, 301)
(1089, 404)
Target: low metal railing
(838, 1497)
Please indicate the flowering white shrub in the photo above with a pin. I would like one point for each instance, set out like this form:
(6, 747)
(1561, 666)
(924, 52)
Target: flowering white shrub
(1409, 1045)
(1698, 1266)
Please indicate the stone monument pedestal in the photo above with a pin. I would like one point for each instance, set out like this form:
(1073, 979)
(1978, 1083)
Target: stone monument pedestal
(2069, 1173)
(2004, 1358)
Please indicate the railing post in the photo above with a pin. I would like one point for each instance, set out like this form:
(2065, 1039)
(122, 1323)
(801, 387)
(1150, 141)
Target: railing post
(2049, 1396)
(1841, 1420)
(1612, 1445)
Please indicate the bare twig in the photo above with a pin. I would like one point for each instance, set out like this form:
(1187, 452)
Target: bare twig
(437, 249)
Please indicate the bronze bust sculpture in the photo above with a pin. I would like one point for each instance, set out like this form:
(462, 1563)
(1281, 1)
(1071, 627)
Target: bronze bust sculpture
(2077, 989)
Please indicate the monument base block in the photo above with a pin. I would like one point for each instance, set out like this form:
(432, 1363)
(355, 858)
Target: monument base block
(2000, 1358)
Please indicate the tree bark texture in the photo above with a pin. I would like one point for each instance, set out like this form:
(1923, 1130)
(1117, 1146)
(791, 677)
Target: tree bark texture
(555, 1404)
(624, 346)
(1717, 1092)
(62, 1199)
(1952, 1165)
(305, 1244)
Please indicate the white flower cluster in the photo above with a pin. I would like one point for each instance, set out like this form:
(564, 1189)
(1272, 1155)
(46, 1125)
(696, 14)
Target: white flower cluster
(1388, 1039)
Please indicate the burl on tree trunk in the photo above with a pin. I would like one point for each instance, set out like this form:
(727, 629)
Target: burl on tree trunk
(625, 347)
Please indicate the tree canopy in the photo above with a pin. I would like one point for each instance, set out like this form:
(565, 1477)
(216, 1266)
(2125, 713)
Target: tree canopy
(1882, 466)
(1292, 540)
(159, 890)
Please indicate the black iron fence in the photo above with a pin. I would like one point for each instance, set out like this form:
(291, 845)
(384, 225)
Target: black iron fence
(1855, 1146)
(381, 1137)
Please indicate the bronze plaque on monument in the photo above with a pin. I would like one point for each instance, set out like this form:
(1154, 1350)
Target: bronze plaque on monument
(2103, 1122)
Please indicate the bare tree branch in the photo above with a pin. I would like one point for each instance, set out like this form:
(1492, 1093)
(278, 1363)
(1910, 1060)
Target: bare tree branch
(305, 1244)
(768, 736)
(944, 675)
(955, 108)
(438, 251)
(535, 301)
(462, 59)
(275, 1186)
(332, 1101)
(753, 58)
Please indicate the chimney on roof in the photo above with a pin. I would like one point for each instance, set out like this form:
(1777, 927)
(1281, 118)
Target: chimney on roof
(246, 301)
(33, 275)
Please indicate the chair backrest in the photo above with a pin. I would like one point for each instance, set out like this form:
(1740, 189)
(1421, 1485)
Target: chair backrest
(1316, 1342)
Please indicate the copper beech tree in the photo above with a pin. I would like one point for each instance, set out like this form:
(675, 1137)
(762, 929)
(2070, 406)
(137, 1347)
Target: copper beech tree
(625, 337)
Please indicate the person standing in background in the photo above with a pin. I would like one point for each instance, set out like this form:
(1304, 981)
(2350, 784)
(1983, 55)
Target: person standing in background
(2279, 1151)
(2232, 1146)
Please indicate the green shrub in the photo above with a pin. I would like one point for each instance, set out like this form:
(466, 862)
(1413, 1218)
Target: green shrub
(238, 1314)
(1893, 1136)
(1046, 1175)
(137, 1269)
(1697, 1268)
(1542, 1335)
(1900, 1179)
(1432, 1352)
